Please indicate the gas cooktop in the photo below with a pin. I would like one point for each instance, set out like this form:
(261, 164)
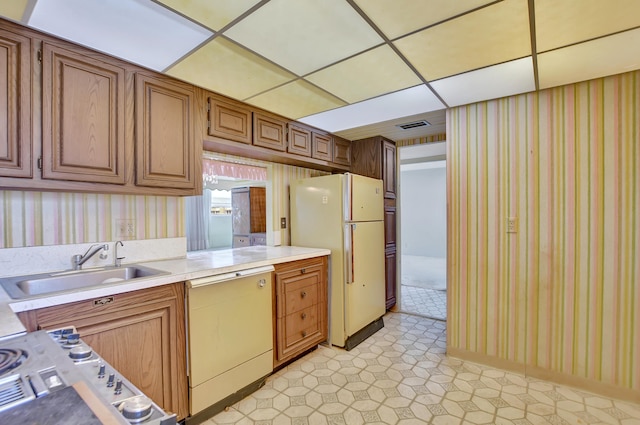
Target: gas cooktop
(55, 378)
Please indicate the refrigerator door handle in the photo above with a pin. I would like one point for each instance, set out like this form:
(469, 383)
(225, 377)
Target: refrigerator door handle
(348, 251)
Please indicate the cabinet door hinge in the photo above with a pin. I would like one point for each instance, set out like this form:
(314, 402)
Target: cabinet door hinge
(40, 163)
(40, 56)
(208, 106)
(208, 124)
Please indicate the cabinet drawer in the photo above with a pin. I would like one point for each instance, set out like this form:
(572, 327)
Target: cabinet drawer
(300, 321)
(301, 295)
(309, 333)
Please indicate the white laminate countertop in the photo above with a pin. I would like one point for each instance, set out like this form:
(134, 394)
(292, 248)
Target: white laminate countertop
(195, 265)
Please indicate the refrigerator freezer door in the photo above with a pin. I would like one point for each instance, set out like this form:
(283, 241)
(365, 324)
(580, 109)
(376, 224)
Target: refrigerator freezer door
(365, 295)
(365, 196)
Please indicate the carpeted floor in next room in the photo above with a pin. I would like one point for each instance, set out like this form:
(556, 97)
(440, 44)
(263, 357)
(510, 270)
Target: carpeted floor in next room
(401, 375)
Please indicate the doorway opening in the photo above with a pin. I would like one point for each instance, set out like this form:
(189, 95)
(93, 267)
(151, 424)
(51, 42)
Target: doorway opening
(423, 230)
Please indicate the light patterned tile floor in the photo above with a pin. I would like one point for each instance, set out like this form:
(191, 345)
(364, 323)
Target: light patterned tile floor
(430, 303)
(401, 375)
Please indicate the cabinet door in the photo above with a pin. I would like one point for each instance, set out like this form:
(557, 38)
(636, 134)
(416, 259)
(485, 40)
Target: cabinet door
(230, 121)
(389, 169)
(390, 277)
(165, 143)
(83, 122)
(241, 212)
(269, 132)
(389, 226)
(15, 105)
(141, 334)
(299, 140)
(341, 151)
(322, 146)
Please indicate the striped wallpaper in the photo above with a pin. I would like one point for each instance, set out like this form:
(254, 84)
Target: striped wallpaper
(53, 218)
(421, 140)
(562, 295)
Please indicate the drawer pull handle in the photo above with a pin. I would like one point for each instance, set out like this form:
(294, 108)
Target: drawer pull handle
(303, 315)
(303, 271)
(303, 294)
(304, 333)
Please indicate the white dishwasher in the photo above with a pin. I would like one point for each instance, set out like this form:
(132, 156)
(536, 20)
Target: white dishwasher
(230, 336)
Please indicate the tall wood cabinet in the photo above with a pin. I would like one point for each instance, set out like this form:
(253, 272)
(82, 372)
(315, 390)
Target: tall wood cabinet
(376, 157)
(248, 216)
(15, 105)
(301, 315)
(140, 333)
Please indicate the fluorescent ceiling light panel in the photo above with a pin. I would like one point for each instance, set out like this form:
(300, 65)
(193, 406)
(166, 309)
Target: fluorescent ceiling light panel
(213, 13)
(13, 9)
(138, 31)
(496, 81)
(414, 100)
(495, 34)
(560, 23)
(298, 98)
(404, 16)
(224, 67)
(304, 36)
(593, 59)
(367, 75)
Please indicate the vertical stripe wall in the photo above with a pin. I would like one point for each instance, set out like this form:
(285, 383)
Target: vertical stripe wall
(560, 296)
(422, 140)
(53, 218)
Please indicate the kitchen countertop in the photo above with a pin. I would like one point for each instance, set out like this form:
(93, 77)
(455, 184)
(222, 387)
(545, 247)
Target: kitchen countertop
(196, 265)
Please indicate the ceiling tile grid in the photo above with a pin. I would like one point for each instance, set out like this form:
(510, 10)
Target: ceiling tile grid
(349, 64)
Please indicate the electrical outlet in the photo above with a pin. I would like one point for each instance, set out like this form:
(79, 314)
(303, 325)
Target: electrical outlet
(512, 225)
(283, 222)
(126, 228)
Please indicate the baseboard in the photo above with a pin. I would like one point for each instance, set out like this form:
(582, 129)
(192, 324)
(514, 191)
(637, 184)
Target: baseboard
(577, 382)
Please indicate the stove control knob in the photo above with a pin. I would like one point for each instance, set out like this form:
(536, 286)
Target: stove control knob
(101, 371)
(111, 379)
(118, 389)
(73, 338)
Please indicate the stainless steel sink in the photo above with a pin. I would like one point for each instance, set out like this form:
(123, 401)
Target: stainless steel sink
(42, 284)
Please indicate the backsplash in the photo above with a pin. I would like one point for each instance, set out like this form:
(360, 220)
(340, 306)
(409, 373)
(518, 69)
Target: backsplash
(52, 218)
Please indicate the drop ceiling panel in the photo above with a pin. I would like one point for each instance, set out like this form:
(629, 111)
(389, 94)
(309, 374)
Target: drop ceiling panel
(367, 75)
(560, 23)
(214, 14)
(593, 59)
(13, 9)
(492, 35)
(405, 16)
(411, 101)
(136, 30)
(515, 77)
(226, 68)
(296, 99)
(304, 36)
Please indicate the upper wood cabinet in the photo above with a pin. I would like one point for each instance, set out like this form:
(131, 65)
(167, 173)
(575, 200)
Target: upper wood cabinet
(376, 157)
(269, 131)
(15, 105)
(322, 146)
(229, 120)
(164, 132)
(299, 140)
(341, 151)
(83, 120)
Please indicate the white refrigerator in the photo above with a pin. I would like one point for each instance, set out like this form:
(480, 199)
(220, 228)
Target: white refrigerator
(345, 213)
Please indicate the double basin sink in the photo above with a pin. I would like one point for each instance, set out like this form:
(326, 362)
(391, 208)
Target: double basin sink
(20, 287)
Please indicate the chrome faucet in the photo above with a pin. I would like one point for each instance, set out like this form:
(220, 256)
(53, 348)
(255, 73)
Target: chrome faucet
(117, 261)
(78, 260)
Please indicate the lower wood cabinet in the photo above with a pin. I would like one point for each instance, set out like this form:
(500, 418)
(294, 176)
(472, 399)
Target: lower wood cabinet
(300, 307)
(140, 333)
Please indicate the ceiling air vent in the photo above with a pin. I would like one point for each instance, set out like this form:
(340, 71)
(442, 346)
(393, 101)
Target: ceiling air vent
(414, 124)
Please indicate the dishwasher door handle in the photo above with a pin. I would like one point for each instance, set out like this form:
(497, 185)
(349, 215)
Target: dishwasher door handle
(223, 277)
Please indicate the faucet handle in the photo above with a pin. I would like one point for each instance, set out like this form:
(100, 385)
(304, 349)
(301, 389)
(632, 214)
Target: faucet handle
(103, 254)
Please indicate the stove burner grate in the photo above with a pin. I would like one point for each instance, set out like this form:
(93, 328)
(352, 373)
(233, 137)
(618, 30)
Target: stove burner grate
(11, 358)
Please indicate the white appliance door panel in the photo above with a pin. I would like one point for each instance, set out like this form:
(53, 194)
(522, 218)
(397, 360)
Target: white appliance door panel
(365, 294)
(366, 196)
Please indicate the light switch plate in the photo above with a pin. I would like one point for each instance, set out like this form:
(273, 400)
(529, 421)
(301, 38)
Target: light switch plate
(125, 228)
(512, 225)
